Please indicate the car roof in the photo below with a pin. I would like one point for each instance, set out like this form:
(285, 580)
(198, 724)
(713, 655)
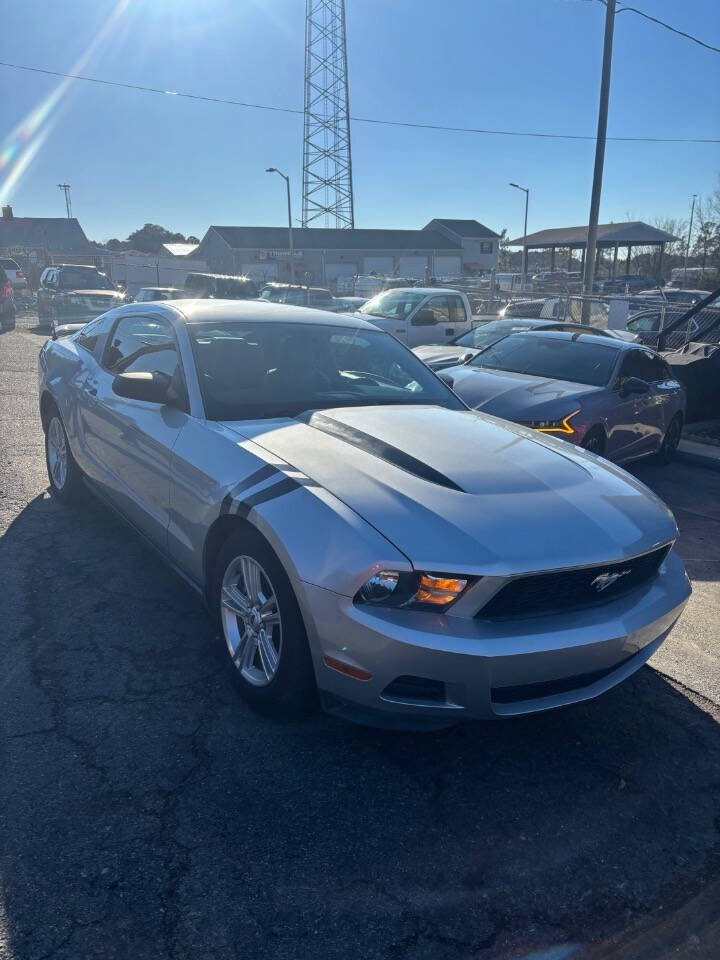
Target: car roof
(582, 337)
(244, 311)
(420, 290)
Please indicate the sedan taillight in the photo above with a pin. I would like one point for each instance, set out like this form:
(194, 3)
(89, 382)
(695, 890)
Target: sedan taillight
(6, 291)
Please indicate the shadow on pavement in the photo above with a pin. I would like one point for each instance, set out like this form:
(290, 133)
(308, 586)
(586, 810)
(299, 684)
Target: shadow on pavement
(146, 812)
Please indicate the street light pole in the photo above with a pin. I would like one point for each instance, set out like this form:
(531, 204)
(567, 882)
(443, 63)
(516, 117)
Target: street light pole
(687, 248)
(526, 191)
(290, 227)
(589, 274)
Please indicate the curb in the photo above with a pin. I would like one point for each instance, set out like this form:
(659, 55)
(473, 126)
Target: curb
(699, 455)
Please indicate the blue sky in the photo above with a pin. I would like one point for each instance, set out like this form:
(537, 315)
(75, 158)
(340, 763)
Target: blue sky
(511, 64)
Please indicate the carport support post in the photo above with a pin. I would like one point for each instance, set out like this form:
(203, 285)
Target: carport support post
(589, 275)
(552, 258)
(627, 262)
(660, 261)
(615, 253)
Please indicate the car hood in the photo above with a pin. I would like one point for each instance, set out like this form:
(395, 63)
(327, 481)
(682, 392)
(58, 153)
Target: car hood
(457, 491)
(438, 354)
(110, 294)
(513, 396)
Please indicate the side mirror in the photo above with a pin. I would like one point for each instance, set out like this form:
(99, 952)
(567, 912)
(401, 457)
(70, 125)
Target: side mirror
(424, 318)
(465, 357)
(149, 387)
(634, 385)
(446, 378)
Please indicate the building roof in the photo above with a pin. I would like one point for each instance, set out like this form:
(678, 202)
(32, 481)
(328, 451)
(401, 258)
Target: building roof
(319, 238)
(634, 232)
(180, 249)
(54, 234)
(465, 228)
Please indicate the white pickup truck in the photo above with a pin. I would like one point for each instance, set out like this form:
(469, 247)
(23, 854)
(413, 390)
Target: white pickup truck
(420, 315)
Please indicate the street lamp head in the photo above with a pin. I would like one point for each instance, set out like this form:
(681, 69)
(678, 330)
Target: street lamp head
(271, 170)
(513, 185)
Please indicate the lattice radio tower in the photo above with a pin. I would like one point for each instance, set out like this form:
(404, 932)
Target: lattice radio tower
(327, 167)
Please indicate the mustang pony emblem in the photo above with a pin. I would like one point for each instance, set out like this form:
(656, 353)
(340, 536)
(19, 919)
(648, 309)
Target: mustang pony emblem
(606, 580)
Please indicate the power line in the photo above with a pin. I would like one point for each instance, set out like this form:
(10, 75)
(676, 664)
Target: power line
(371, 120)
(661, 23)
(622, 8)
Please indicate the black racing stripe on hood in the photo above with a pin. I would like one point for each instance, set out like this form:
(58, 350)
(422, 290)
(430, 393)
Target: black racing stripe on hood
(264, 473)
(378, 448)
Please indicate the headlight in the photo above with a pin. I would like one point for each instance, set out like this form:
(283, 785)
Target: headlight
(553, 426)
(417, 591)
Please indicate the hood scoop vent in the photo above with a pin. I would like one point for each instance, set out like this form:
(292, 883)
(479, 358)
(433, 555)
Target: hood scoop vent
(378, 448)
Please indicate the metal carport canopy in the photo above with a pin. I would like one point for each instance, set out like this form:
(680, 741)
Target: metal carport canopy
(633, 233)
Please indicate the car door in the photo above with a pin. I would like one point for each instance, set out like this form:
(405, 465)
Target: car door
(628, 434)
(130, 442)
(667, 394)
(431, 322)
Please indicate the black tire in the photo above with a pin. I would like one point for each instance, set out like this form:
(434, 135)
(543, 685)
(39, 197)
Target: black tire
(594, 441)
(66, 488)
(666, 453)
(292, 691)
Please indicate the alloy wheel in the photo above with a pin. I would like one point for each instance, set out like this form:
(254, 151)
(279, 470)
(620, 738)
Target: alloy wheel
(57, 453)
(251, 620)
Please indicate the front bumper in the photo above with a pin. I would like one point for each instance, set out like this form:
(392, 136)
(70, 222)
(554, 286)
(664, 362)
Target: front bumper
(484, 668)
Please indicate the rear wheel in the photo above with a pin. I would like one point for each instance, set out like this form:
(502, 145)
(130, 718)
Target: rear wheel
(63, 472)
(594, 441)
(262, 627)
(667, 451)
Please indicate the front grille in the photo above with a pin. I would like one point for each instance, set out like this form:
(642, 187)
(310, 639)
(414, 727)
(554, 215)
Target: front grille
(572, 589)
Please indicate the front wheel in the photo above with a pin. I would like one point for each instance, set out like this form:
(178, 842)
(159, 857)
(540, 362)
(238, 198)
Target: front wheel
(63, 472)
(671, 440)
(266, 645)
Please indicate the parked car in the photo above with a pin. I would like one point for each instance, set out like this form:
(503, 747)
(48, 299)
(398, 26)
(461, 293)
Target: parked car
(468, 345)
(611, 397)
(14, 273)
(702, 328)
(671, 295)
(219, 286)
(73, 293)
(418, 315)
(353, 527)
(148, 294)
(7, 302)
(299, 296)
(624, 284)
(348, 304)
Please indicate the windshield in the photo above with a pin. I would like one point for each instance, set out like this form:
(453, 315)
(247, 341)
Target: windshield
(552, 357)
(393, 304)
(83, 278)
(251, 371)
(481, 337)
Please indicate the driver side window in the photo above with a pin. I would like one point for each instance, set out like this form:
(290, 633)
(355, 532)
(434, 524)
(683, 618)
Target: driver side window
(634, 365)
(142, 344)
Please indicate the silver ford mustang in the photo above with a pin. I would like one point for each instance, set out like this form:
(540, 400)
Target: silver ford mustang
(355, 529)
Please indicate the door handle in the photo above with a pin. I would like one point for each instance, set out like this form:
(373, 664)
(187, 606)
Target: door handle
(91, 390)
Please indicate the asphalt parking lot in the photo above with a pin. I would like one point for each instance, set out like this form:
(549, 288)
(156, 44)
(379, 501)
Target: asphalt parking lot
(146, 812)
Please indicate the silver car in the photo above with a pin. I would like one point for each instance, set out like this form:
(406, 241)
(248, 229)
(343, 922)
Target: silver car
(614, 398)
(352, 526)
(469, 344)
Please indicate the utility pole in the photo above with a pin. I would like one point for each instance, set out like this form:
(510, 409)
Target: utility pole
(65, 187)
(286, 178)
(526, 191)
(687, 248)
(589, 274)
